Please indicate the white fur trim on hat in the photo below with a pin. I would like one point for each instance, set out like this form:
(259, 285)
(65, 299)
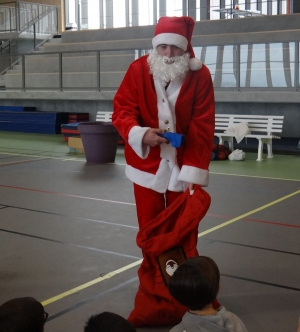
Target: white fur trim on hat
(195, 64)
(170, 39)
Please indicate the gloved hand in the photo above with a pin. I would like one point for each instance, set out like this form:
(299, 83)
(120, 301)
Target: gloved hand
(175, 139)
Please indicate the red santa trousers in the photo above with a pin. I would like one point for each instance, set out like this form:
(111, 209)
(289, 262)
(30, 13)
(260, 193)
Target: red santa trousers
(175, 227)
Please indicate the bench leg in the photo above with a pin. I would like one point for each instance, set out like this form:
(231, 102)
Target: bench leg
(230, 143)
(226, 139)
(260, 150)
(268, 141)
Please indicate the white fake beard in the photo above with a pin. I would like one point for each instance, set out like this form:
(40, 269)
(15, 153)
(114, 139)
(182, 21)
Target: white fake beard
(168, 69)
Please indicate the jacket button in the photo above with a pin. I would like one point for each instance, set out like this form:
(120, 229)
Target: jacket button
(166, 121)
(163, 100)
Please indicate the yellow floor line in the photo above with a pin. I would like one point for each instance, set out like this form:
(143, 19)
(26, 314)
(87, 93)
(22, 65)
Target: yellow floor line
(127, 267)
(254, 176)
(248, 213)
(90, 283)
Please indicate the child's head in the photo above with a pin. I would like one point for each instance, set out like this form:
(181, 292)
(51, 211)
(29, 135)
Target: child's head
(195, 283)
(107, 322)
(24, 314)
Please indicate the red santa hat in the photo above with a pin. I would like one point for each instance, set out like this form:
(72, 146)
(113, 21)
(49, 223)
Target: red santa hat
(177, 31)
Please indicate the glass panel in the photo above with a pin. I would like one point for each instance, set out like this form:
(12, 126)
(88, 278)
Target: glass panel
(93, 14)
(208, 55)
(253, 66)
(253, 5)
(228, 68)
(214, 4)
(174, 7)
(284, 5)
(198, 10)
(268, 65)
(264, 7)
(145, 12)
(298, 83)
(274, 8)
(282, 64)
(119, 13)
(72, 18)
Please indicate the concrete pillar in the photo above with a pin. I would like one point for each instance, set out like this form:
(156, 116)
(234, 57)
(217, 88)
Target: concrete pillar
(287, 64)
(222, 5)
(249, 66)
(77, 14)
(219, 67)
(154, 12)
(84, 15)
(109, 14)
(135, 12)
(162, 8)
(184, 8)
(259, 5)
(192, 7)
(204, 10)
(101, 14)
(296, 6)
(247, 4)
(127, 20)
(268, 67)
(269, 7)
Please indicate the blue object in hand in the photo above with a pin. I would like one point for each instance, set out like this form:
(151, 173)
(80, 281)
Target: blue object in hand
(175, 139)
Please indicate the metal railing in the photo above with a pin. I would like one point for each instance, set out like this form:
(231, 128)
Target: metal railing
(19, 15)
(266, 66)
(33, 31)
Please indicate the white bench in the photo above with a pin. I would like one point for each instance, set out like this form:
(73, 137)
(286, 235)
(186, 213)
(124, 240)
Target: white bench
(262, 128)
(104, 116)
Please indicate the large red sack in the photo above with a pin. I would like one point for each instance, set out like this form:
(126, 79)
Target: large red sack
(175, 227)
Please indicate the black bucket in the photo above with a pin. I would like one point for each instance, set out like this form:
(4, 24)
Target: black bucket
(100, 141)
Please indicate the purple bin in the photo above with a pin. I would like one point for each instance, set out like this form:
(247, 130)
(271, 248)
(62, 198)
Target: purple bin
(100, 141)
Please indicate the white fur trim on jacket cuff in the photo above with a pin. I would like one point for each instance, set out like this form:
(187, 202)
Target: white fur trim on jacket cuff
(135, 139)
(194, 175)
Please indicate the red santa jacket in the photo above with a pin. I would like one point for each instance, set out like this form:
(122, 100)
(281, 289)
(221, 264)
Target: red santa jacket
(186, 107)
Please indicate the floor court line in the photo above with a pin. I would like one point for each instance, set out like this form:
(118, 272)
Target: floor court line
(84, 160)
(129, 266)
(254, 176)
(66, 195)
(21, 162)
(248, 213)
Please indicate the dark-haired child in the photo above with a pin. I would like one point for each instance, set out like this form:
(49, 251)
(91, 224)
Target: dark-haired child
(23, 314)
(107, 322)
(195, 284)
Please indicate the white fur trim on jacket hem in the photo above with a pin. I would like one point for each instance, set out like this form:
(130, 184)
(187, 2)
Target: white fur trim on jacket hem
(170, 39)
(194, 175)
(135, 139)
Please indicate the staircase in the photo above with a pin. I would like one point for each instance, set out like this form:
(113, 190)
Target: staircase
(79, 61)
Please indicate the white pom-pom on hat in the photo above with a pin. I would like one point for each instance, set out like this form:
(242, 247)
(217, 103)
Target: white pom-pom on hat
(195, 64)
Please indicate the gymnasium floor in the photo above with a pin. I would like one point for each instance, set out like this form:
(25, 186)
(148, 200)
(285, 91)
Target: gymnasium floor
(67, 234)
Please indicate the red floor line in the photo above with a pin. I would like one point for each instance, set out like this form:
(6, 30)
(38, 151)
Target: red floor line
(21, 162)
(62, 194)
(254, 220)
(273, 223)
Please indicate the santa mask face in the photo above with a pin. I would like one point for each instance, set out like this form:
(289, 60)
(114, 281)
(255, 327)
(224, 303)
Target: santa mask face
(168, 68)
(176, 32)
(169, 50)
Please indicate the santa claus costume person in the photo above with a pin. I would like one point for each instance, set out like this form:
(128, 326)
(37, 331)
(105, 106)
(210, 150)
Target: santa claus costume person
(168, 90)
